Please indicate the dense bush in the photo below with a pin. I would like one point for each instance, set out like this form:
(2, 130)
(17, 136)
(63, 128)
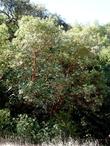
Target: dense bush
(4, 120)
(54, 84)
(26, 127)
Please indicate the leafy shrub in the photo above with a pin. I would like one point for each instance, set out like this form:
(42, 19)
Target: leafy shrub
(27, 127)
(49, 130)
(4, 119)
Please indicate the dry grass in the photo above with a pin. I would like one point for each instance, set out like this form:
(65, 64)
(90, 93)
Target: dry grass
(69, 143)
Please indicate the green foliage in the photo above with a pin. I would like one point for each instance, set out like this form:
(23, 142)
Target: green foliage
(13, 10)
(36, 33)
(55, 83)
(17, 8)
(2, 19)
(27, 127)
(4, 119)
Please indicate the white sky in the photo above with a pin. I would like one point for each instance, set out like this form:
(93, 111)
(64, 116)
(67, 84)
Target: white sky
(82, 11)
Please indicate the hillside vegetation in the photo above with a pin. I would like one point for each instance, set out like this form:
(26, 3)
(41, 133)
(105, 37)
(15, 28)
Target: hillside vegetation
(54, 78)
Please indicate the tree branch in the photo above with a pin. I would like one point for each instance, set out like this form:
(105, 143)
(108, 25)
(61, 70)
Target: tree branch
(1, 11)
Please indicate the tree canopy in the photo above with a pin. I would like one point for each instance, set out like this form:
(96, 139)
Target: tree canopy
(53, 82)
